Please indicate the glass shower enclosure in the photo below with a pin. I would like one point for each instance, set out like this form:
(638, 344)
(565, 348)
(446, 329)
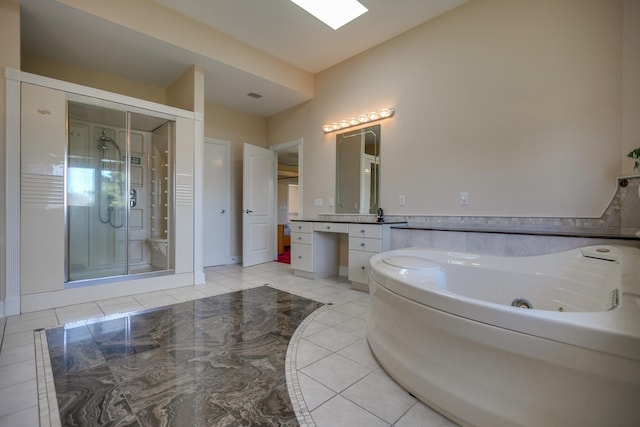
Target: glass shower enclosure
(119, 193)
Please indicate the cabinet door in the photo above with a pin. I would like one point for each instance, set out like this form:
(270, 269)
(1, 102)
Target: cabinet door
(359, 266)
(302, 257)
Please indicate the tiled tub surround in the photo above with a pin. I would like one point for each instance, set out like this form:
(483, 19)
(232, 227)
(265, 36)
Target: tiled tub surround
(328, 343)
(519, 236)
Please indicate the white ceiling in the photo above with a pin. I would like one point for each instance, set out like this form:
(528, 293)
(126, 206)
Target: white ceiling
(278, 27)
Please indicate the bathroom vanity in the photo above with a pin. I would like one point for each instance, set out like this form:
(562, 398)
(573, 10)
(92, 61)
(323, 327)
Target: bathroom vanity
(315, 248)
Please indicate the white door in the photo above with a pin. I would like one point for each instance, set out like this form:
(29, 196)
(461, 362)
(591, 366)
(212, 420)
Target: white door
(215, 202)
(258, 208)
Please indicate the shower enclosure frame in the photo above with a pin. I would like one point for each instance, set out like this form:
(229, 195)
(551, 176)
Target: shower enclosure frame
(128, 110)
(30, 289)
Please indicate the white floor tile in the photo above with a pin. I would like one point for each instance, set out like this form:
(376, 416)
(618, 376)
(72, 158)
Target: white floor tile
(18, 397)
(28, 417)
(155, 299)
(336, 372)
(381, 396)
(16, 373)
(19, 353)
(339, 412)
(420, 415)
(352, 308)
(308, 353)
(12, 340)
(356, 326)
(30, 325)
(360, 352)
(314, 393)
(78, 312)
(332, 339)
(332, 317)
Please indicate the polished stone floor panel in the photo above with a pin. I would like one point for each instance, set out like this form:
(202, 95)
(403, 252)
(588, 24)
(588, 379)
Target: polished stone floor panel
(213, 361)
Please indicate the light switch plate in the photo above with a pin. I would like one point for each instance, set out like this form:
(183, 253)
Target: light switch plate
(464, 199)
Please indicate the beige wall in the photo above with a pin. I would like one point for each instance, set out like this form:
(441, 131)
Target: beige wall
(631, 83)
(238, 127)
(517, 102)
(9, 57)
(92, 78)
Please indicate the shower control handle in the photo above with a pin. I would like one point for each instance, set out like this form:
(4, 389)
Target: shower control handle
(133, 198)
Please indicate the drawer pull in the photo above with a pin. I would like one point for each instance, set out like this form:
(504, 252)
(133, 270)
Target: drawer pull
(362, 244)
(300, 257)
(363, 267)
(299, 237)
(328, 227)
(362, 231)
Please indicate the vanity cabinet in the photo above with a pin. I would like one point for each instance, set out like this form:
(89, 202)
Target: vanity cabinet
(302, 246)
(365, 240)
(315, 248)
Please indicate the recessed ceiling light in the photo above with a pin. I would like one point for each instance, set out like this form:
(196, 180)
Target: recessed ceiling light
(254, 95)
(334, 13)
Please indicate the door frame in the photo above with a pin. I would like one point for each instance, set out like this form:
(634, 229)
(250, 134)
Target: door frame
(227, 219)
(299, 142)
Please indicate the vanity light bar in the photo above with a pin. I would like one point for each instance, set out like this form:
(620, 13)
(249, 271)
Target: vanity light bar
(383, 113)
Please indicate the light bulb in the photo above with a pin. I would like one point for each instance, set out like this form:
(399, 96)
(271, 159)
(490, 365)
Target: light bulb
(327, 128)
(374, 115)
(384, 113)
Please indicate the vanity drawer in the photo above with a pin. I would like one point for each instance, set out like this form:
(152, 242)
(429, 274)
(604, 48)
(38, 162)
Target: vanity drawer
(302, 257)
(302, 227)
(302, 238)
(364, 244)
(331, 227)
(369, 231)
(359, 266)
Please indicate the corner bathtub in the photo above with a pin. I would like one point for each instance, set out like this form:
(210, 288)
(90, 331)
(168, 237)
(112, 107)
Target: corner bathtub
(442, 324)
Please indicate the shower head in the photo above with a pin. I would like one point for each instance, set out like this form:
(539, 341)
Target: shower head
(104, 140)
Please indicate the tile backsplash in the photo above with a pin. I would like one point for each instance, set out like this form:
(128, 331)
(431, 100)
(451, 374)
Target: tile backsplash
(622, 216)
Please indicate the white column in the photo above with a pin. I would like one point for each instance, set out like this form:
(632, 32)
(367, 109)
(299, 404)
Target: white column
(12, 193)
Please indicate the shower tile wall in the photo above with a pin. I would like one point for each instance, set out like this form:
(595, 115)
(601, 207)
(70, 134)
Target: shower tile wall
(138, 217)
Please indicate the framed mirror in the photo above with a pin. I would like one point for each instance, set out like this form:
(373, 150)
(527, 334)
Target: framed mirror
(358, 171)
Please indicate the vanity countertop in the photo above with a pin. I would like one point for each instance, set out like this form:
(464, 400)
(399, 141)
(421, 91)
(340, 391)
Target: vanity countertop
(584, 233)
(399, 223)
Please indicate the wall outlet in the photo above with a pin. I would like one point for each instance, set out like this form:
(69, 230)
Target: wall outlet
(401, 200)
(317, 203)
(464, 199)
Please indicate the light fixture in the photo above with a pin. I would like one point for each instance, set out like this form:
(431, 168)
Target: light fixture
(334, 13)
(358, 120)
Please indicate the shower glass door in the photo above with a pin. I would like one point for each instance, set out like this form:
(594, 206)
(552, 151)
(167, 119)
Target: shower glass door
(118, 193)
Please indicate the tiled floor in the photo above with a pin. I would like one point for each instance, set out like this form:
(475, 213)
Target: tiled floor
(334, 379)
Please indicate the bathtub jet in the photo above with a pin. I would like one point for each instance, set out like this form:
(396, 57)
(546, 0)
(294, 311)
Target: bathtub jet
(444, 326)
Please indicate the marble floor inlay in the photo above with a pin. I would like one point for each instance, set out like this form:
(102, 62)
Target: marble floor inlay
(218, 360)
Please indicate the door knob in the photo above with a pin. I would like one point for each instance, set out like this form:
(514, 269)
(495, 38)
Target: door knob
(248, 211)
(222, 211)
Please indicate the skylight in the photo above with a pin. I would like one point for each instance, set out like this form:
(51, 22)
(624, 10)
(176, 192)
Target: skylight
(334, 13)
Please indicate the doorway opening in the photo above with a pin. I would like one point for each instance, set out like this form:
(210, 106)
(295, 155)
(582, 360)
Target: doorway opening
(288, 194)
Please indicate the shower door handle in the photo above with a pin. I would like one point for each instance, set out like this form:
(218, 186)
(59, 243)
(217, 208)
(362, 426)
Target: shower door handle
(133, 198)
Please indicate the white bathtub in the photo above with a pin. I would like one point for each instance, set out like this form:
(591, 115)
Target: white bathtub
(442, 324)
